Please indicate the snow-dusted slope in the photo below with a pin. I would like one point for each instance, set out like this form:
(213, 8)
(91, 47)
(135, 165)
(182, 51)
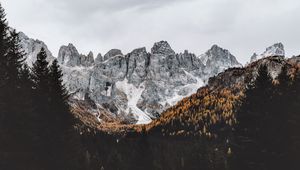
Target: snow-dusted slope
(274, 50)
(139, 84)
(217, 60)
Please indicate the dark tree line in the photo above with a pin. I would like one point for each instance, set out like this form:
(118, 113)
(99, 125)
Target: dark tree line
(267, 135)
(36, 127)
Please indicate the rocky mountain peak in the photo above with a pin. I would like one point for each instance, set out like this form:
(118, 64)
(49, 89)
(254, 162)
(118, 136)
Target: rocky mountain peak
(217, 59)
(99, 58)
(218, 54)
(32, 47)
(140, 84)
(68, 56)
(217, 51)
(141, 50)
(186, 52)
(253, 57)
(91, 54)
(274, 50)
(162, 48)
(23, 36)
(88, 60)
(112, 53)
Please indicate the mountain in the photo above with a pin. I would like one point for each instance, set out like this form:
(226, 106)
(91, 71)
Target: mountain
(206, 122)
(136, 87)
(253, 57)
(212, 109)
(32, 47)
(276, 49)
(217, 60)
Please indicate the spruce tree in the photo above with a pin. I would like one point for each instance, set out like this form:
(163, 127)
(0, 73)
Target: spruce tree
(294, 122)
(60, 114)
(15, 97)
(57, 140)
(277, 135)
(58, 92)
(4, 45)
(252, 119)
(41, 117)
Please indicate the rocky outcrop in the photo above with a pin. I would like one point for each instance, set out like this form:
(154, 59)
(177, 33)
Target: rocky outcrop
(112, 53)
(32, 47)
(162, 48)
(274, 50)
(140, 84)
(99, 58)
(88, 60)
(217, 60)
(253, 57)
(68, 56)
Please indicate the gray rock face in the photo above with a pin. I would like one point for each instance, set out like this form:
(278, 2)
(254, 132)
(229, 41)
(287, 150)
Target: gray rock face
(217, 60)
(162, 48)
(32, 47)
(88, 60)
(253, 58)
(274, 50)
(112, 53)
(99, 58)
(139, 84)
(68, 56)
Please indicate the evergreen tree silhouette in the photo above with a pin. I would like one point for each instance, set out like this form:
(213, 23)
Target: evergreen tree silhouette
(252, 119)
(41, 116)
(4, 45)
(293, 147)
(61, 118)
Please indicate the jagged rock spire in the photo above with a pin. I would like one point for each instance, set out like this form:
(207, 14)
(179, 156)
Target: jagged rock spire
(162, 48)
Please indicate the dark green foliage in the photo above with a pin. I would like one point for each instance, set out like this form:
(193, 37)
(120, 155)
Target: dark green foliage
(36, 126)
(264, 133)
(52, 118)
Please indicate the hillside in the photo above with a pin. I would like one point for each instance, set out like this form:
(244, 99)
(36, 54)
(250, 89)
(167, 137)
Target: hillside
(213, 107)
(214, 126)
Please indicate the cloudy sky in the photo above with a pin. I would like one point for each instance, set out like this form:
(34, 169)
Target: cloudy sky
(241, 26)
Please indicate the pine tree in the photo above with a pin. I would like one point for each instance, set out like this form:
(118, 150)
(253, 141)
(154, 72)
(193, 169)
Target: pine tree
(277, 135)
(60, 114)
(41, 117)
(66, 143)
(13, 85)
(4, 44)
(15, 97)
(11, 62)
(294, 122)
(3, 38)
(58, 92)
(40, 77)
(252, 119)
(57, 140)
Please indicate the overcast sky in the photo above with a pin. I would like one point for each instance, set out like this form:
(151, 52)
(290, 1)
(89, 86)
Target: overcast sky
(241, 26)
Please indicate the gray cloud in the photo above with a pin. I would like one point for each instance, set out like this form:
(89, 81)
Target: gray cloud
(242, 26)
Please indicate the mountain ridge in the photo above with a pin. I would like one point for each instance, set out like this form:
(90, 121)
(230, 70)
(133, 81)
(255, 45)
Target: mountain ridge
(138, 86)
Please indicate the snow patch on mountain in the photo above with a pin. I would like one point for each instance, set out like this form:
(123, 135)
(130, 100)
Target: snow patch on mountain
(133, 95)
(276, 49)
(140, 83)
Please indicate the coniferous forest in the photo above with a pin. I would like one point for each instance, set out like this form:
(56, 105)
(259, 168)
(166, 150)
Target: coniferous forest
(251, 127)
